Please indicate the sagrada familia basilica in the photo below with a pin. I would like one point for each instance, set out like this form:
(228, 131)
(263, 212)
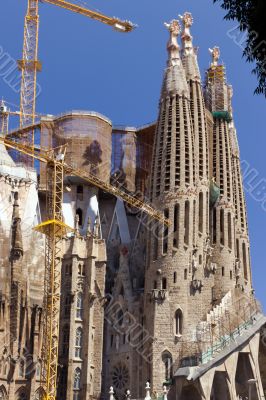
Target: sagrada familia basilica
(142, 304)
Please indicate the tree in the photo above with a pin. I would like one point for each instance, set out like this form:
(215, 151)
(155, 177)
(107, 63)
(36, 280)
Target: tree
(250, 15)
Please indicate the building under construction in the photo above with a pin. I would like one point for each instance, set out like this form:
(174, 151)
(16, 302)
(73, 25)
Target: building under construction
(124, 254)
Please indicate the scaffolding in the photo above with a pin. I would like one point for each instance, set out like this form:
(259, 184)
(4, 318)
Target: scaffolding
(216, 92)
(220, 329)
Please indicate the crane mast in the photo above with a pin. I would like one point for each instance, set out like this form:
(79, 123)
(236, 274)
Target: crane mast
(30, 65)
(4, 118)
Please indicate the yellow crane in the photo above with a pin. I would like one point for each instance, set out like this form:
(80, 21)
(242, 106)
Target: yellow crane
(30, 65)
(54, 229)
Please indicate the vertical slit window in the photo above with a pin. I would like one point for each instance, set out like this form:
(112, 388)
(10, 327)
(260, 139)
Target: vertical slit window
(214, 225)
(245, 261)
(201, 212)
(165, 233)
(164, 283)
(229, 225)
(155, 243)
(222, 227)
(186, 222)
(176, 226)
(178, 322)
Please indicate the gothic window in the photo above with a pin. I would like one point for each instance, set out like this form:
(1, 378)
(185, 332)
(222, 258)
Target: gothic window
(80, 215)
(3, 393)
(79, 310)
(38, 370)
(22, 396)
(168, 366)
(201, 212)
(39, 394)
(176, 226)
(155, 285)
(21, 369)
(67, 306)
(223, 272)
(178, 322)
(78, 343)
(186, 222)
(77, 379)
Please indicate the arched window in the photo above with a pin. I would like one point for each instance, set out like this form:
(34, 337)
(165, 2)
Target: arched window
(79, 310)
(154, 284)
(77, 379)
(38, 370)
(168, 366)
(178, 322)
(3, 393)
(78, 343)
(22, 395)
(39, 394)
(21, 369)
(80, 215)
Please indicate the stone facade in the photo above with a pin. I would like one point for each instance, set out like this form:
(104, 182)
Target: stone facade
(141, 303)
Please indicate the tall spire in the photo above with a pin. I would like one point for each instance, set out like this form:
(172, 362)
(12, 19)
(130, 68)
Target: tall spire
(189, 53)
(16, 243)
(175, 79)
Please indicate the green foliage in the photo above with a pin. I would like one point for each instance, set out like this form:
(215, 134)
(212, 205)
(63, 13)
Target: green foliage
(250, 15)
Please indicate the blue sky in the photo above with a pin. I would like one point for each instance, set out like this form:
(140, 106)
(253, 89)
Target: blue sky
(86, 65)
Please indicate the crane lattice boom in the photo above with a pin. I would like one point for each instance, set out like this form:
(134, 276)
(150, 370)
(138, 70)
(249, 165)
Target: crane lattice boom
(30, 65)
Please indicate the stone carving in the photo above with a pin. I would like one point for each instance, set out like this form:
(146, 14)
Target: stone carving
(172, 45)
(215, 52)
(196, 284)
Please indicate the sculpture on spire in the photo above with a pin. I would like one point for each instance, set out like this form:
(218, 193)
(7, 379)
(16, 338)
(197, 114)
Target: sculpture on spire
(215, 52)
(172, 45)
(187, 21)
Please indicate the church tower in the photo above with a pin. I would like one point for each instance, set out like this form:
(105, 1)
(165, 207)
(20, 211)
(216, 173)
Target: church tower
(177, 289)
